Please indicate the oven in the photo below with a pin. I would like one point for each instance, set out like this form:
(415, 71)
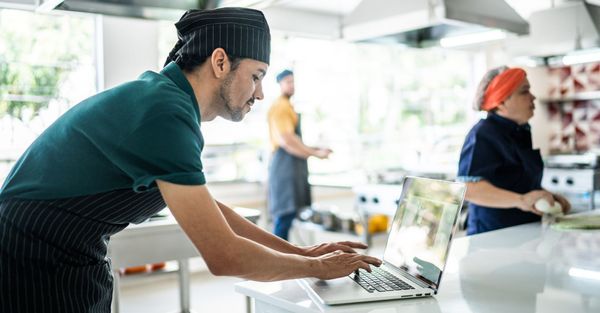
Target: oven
(575, 176)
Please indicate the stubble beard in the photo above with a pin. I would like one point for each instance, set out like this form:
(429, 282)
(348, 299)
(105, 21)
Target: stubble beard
(234, 113)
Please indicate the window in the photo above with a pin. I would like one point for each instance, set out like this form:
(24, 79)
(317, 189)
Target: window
(379, 107)
(46, 65)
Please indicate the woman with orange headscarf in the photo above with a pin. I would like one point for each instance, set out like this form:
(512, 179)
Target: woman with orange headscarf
(502, 171)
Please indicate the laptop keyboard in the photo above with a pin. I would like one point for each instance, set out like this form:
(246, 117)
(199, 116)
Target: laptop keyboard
(379, 280)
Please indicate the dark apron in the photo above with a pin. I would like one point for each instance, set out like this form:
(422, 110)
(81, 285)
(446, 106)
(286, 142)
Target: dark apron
(53, 252)
(289, 190)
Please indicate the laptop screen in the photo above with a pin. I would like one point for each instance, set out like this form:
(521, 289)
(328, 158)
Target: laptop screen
(419, 239)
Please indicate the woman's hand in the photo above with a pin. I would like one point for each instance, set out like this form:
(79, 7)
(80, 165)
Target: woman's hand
(324, 248)
(564, 203)
(528, 200)
(339, 264)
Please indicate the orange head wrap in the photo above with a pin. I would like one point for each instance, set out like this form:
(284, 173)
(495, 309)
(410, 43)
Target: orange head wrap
(501, 87)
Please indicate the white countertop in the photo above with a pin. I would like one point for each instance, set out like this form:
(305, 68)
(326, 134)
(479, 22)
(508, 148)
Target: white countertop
(518, 269)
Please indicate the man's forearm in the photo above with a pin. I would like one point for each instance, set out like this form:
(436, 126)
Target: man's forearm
(256, 262)
(292, 144)
(244, 228)
(224, 251)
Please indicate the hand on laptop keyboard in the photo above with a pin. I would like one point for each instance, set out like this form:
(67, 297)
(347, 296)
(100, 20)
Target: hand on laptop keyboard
(379, 280)
(338, 264)
(324, 248)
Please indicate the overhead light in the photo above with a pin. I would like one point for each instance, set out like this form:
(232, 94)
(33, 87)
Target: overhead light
(583, 56)
(581, 273)
(529, 61)
(469, 39)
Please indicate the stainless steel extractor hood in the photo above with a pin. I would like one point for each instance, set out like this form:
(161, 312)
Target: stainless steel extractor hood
(149, 9)
(561, 35)
(422, 23)
(592, 8)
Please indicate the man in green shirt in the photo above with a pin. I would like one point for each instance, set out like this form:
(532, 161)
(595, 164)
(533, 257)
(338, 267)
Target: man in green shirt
(122, 155)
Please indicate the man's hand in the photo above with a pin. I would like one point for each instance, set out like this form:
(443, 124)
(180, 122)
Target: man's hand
(322, 153)
(339, 264)
(324, 248)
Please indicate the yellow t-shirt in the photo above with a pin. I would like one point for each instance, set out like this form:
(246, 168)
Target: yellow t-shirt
(282, 119)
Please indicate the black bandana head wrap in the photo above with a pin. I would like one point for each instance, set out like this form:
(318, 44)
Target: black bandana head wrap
(241, 32)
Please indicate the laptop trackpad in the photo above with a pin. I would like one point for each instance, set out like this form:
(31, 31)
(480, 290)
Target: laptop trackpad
(337, 289)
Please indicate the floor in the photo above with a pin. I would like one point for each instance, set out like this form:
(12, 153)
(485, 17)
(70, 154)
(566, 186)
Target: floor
(207, 293)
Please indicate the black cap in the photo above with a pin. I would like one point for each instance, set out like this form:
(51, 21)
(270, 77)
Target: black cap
(241, 32)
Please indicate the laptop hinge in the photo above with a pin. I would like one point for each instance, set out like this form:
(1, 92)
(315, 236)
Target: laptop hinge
(415, 280)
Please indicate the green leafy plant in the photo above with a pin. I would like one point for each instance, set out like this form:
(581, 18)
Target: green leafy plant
(36, 55)
(28, 90)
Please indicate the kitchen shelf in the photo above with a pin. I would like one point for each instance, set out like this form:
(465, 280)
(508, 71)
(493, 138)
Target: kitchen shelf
(581, 96)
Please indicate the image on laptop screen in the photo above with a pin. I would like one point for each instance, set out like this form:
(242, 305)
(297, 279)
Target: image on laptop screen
(420, 236)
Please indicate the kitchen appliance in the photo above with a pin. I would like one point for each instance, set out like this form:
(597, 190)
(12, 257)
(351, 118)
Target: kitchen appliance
(374, 199)
(422, 23)
(377, 199)
(575, 176)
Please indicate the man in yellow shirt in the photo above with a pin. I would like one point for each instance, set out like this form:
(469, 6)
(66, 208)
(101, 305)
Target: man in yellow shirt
(289, 190)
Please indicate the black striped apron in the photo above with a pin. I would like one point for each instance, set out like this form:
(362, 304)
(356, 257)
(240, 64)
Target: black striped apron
(53, 252)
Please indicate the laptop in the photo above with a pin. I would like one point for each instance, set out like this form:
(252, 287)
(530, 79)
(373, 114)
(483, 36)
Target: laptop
(416, 251)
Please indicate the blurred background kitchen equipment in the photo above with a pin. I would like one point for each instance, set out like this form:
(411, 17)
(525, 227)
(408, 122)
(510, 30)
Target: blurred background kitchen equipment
(575, 176)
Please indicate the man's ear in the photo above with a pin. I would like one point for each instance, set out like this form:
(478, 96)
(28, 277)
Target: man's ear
(220, 63)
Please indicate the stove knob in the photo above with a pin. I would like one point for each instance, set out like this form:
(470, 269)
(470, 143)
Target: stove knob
(554, 180)
(569, 181)
(375, 200)
(362, 199)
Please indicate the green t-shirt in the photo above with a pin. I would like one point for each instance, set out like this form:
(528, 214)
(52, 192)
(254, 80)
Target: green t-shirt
(124, 137)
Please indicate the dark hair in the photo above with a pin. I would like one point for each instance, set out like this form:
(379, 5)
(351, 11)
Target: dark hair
(191, 64)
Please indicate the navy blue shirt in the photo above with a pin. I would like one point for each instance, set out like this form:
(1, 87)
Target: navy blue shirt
(500, 151)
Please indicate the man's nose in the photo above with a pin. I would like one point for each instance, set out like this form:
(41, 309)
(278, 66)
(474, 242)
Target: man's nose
(258, 93)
